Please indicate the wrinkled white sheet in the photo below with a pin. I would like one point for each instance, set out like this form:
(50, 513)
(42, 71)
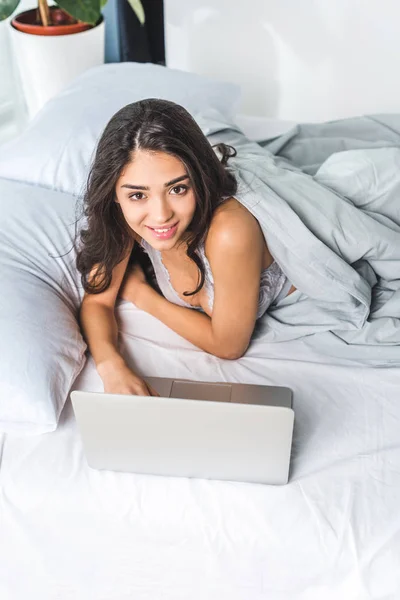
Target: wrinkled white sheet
(69, 532)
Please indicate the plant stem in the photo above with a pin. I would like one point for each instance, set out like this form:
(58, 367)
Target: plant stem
(44, 12)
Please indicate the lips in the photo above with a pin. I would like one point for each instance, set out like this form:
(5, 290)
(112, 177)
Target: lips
(163, 233)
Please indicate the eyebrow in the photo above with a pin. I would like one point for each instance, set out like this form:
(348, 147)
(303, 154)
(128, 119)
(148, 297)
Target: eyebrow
(131, 186)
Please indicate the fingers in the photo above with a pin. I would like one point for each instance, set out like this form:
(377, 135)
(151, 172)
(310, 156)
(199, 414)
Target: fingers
(152, 391)
(136, 387)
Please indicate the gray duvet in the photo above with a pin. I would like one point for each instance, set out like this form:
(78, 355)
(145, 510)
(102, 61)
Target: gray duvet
(328, 200)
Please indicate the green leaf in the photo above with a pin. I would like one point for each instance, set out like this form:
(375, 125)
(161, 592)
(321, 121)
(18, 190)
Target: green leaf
(87, 11)
(7, 7)
(138, 9)
(103, 3)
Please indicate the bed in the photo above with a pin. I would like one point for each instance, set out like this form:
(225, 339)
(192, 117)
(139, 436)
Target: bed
(333, 532)
(70, 532)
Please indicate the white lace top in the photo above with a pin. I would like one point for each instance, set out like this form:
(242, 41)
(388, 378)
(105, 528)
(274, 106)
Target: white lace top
(274, 284)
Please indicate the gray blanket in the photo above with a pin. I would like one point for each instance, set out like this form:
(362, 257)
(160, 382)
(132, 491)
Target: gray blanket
(328, 200)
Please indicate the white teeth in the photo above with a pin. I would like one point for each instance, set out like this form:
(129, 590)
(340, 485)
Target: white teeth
(162, 230)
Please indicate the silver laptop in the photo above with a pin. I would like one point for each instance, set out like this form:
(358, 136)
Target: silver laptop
(229, 431)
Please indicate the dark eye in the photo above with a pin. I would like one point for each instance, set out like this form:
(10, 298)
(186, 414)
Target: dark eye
(178, 190)
(137, 196)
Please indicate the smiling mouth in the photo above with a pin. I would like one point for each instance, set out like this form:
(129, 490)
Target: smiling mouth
(162, 229)
(164, 233)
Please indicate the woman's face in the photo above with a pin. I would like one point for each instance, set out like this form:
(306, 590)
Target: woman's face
(156, 198)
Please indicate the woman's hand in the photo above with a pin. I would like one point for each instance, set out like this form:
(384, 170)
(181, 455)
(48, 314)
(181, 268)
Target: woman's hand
(119, 379)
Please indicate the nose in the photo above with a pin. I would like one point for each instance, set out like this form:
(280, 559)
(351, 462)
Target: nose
(161, 211)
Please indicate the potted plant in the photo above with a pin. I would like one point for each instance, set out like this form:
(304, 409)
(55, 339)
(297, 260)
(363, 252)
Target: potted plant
(54, 44)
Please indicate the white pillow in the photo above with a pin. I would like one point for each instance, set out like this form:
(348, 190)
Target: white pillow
(41, 348)
(56, 149)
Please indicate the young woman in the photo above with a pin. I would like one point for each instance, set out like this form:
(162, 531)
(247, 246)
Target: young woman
(157, 187)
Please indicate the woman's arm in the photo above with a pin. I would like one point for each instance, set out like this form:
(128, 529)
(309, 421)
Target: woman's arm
(194, 326)
(234, 248)
(100, 330)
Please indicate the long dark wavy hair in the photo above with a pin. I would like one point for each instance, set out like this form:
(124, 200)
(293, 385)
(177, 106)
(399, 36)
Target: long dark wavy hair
(155, 125)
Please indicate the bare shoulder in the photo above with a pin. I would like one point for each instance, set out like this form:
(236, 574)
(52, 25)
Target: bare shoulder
(234, 228)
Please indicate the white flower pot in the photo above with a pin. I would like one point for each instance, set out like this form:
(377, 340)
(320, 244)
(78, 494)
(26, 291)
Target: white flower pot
(47, 64)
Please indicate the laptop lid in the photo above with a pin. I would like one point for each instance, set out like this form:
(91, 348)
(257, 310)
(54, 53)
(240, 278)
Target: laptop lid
(178, 435)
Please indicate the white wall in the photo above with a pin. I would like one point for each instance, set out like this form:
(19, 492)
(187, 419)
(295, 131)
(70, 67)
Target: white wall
(295, 59)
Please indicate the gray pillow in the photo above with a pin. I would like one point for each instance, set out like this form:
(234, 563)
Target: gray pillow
(55, 151)
(41, 348)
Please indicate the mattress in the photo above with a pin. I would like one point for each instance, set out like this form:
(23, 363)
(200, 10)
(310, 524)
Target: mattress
(70, 532)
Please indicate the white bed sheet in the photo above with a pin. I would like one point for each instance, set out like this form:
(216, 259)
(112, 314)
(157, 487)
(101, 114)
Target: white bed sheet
(70, 532)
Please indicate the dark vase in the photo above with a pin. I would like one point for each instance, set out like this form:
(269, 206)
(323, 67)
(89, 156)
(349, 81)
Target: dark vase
(141, 43)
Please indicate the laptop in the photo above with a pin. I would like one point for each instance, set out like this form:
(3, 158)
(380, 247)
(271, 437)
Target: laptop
(227, 431)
